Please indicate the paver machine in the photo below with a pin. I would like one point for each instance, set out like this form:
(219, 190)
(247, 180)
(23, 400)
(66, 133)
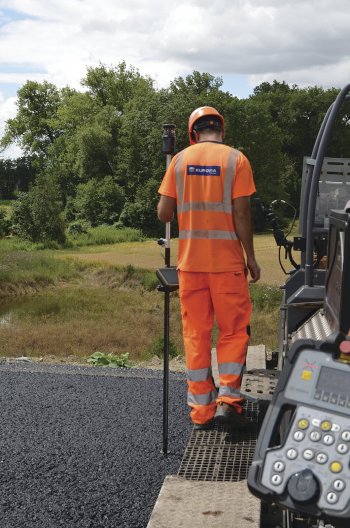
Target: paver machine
(301, 465)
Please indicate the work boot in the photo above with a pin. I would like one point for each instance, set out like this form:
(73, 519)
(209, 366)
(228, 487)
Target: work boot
(227, 414)
(204, 426)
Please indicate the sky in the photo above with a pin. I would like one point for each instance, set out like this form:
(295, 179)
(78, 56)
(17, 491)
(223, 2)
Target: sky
(246, 42)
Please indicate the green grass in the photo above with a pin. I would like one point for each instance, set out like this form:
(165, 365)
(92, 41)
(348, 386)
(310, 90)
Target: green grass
(75, 308)
(24, 271)
(104, 235)
(265, 297)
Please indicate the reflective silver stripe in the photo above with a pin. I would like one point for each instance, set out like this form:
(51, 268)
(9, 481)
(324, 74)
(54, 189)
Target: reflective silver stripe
(179, 180)
(231, 368)
(198, 374)
(229, 391)
(214, 235)
(216, 207)
(229, 176)
(201, 399)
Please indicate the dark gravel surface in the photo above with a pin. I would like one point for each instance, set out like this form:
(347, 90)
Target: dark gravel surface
(80, 446)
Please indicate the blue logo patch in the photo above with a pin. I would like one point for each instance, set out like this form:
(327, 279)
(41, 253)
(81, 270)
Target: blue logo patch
(203, 170)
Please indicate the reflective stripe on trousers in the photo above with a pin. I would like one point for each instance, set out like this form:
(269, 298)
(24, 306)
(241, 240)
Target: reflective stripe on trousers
(202, 294)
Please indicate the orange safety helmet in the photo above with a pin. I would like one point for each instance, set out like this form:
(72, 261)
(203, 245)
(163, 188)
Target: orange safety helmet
(201, 112)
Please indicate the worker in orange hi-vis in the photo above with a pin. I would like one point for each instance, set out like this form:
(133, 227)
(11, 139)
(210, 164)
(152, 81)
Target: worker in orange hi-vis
(209, 183)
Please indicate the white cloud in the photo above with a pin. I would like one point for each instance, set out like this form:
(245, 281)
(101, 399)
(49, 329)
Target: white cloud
(302, 42)
(8, 110)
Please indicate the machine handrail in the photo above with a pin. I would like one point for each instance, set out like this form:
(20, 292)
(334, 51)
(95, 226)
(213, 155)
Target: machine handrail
(318, 154)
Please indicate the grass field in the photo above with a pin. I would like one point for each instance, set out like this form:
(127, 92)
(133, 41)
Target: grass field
(151, 256)
(72, 303)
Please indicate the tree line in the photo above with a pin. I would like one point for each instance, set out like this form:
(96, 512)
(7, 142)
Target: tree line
(93, 156)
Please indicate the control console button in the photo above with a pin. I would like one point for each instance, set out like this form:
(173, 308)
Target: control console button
(303, 423)
(322, 458)
(342, 449)
(276, 480)
(332, 498)
(279, 466)
(339, 485)
(315, 436)
(336, 467)
(345, 436)
(308, 454)
(326, 425)
(299, 436)
(292, 454)
(328, 439)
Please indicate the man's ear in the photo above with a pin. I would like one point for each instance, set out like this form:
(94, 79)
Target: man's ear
(195, 136)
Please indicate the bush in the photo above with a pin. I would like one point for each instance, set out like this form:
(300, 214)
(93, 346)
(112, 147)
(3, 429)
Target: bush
(5, 224)
(157, 348)
(103, 235)
(36, 215)
(98, 201)
(142, 212)
(77, 228)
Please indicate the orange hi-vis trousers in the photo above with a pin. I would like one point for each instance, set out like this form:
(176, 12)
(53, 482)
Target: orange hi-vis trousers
(203, 295)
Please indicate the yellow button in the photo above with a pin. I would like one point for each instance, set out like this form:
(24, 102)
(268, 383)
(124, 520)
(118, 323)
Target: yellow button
(306, 375)
(326, 425)
(303, 423)
(336, 467)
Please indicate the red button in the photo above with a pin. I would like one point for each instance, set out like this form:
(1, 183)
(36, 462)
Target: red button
(345, 347)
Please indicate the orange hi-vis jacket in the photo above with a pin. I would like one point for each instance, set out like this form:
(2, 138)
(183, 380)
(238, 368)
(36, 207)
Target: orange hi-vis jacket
(204, 179)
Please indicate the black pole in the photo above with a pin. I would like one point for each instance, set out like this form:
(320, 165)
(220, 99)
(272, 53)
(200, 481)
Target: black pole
(168, 148)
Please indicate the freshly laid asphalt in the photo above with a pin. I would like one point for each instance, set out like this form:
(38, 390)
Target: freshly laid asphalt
(80, 447)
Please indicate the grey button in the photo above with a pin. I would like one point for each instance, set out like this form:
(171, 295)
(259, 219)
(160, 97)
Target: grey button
(299, 436)
(321, 458)
(308, 454)
(276, 480)
(315, 436)
(339, 485)
(328, 439)
(279, 466)
(332, 497)
(345, 436)
(292, 454)
(342, 449)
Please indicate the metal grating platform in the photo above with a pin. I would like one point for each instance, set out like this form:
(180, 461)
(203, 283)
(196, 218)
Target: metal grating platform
(222, 454)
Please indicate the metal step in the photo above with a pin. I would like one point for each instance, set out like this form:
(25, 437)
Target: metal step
(258, 385)
(316, 327)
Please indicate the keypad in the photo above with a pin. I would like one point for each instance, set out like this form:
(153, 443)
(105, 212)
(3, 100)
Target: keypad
(320, 443)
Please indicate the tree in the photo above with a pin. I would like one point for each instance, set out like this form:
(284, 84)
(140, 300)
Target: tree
(114, 86)
(32, 128)
(99, 201)
(37, 214)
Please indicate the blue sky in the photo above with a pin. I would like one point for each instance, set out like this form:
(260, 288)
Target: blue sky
(245, 42)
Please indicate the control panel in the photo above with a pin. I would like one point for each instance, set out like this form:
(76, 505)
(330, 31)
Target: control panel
(302, 457)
